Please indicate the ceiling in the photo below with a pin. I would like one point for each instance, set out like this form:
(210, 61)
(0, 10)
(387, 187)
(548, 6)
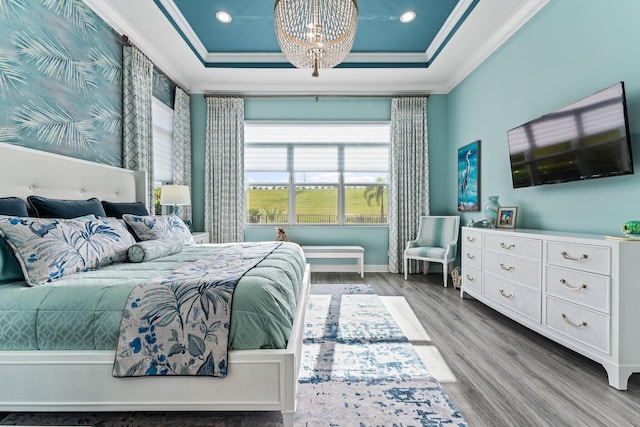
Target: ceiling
(432, 54)
(249, 40)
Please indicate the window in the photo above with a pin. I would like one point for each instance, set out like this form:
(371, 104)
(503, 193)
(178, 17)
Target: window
(162, 137)
(316, 173)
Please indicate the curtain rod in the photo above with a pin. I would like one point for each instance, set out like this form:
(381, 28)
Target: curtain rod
(127, 41)
(397, 95)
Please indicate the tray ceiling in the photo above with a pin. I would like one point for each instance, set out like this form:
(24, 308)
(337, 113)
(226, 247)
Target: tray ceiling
(432, 54)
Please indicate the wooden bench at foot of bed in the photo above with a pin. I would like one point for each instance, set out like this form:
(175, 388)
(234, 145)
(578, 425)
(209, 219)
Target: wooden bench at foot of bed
(356, 252)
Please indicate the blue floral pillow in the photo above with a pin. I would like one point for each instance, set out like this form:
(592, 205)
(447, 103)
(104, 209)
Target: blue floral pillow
(159, 227)
(48, 249)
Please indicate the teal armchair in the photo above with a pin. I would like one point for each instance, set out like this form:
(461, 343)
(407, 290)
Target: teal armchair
(437, 241)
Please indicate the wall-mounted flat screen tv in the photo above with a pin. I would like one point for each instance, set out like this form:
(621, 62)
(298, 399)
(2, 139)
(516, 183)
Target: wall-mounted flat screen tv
(584, 140)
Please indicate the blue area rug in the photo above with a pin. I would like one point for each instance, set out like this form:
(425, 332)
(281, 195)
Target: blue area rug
(358, 369)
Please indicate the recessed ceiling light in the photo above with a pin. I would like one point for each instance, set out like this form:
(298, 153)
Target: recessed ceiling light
(224, 17)
(407, 16)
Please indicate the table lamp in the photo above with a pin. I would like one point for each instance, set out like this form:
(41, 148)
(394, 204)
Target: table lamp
(175, 195)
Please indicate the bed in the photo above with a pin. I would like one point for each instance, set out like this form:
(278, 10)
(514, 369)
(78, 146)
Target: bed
(81, 380)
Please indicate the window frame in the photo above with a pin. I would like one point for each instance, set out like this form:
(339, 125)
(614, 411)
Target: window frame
(340, 171)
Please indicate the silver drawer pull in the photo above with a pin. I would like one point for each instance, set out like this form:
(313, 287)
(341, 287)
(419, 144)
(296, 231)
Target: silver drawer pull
(470, 256)
(471, 239)
(572, 288)
(567, 256)
(505, 246)
(505, 295)
(575, 325)
(470, 278)
(505, 268)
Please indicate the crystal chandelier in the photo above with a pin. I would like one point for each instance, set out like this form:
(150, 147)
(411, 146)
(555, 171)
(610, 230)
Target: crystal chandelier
(315, 33)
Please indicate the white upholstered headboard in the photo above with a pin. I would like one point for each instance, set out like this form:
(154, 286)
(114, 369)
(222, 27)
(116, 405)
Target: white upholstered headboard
(25, 172)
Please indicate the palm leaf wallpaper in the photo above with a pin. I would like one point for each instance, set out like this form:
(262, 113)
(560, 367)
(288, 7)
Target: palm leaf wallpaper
(60, 80)
(6, 5)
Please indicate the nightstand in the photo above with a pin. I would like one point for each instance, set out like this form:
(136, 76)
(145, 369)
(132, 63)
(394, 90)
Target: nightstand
(200, 237)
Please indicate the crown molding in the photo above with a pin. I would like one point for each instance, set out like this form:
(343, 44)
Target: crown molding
(448, 26)
(517, 20)
(124, 27)
(183, 25)
(279, 58)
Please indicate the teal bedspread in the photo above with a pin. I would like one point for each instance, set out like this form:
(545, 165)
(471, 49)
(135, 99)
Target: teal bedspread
(83, 311)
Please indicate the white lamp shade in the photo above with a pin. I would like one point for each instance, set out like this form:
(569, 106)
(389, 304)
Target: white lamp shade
(175, 195)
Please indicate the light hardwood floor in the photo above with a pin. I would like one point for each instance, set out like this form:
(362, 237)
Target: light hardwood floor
(505, 374)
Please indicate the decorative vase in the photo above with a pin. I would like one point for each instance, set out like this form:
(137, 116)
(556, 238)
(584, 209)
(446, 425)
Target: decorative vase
(491, 209)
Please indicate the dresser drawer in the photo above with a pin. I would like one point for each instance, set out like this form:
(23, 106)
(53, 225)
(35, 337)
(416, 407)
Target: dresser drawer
(472, 278)
(586, 326)
(471, 237)
(512, 245)
(586, 289)
(471, 256)
(520, 299)
(520, 270)
(595, 259)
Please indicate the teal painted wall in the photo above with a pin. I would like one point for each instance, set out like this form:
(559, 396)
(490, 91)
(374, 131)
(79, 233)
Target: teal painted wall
(350, 109)
(569, 50)
(374, 239)
(198, 107)
(438, 150)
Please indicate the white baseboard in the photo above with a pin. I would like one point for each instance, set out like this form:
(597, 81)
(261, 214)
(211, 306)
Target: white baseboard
(349, 268)
(371, 268)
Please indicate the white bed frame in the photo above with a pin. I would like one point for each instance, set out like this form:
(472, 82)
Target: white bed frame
(258, 380)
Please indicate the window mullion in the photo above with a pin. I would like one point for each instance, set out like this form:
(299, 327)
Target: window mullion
(292, 185)
(341, 216)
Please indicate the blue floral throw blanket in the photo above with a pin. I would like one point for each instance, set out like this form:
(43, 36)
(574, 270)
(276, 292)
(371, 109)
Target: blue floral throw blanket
(178, 323)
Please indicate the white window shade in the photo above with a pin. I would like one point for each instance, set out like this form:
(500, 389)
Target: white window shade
(265, 158)
(372, 158)
(162, 120)
(315, 158)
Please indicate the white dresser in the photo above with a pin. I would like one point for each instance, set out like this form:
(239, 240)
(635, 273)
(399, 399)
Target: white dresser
(580, 290)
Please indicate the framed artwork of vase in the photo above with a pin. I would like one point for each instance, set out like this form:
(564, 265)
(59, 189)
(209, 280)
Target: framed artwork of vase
(469, 177)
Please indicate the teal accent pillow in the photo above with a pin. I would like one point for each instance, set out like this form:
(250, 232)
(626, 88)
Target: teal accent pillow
(13, 206)
(159, 227)
(117, 209)
(153, 249)
(59, 208)
(48, 249)
(9, 267)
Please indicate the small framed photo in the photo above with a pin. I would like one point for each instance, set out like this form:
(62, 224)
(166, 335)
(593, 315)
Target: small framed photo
(507, 217)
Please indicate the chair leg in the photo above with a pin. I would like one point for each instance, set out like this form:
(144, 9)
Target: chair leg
(445, 273)
(405, 268)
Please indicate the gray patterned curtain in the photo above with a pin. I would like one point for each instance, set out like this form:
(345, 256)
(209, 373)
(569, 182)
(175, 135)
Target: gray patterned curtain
(224, 208)
(137, 85)
(409, 181)
(182, 145)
